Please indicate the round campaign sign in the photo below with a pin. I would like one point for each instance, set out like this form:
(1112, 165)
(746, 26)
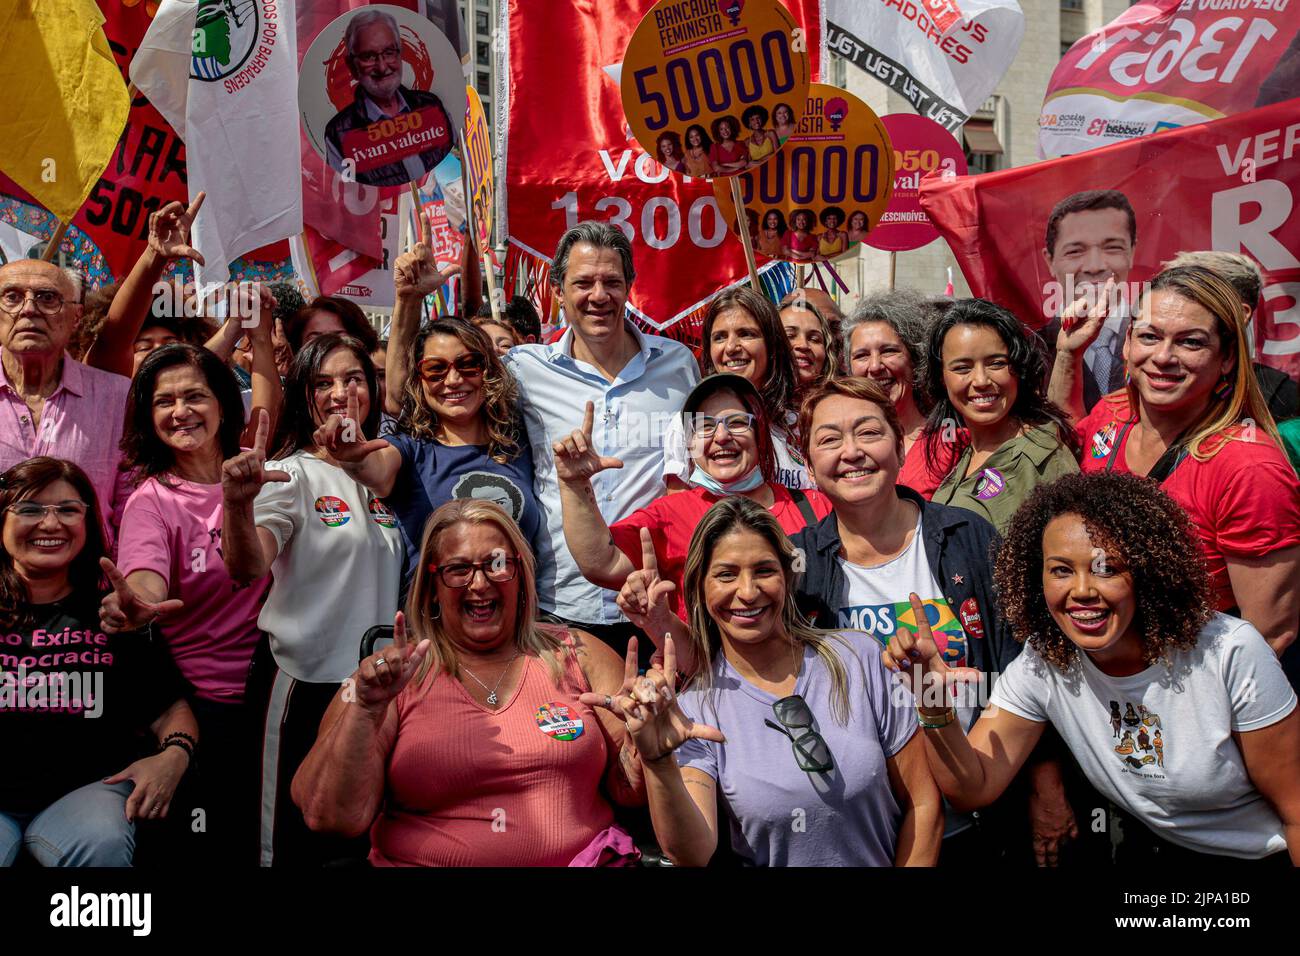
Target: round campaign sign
(478, 164)
(714, 87)
(825, 189)
(921, 147)
(382, 95)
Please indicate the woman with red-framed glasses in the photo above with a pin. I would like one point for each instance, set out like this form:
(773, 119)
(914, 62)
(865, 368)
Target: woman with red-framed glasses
(458, 436)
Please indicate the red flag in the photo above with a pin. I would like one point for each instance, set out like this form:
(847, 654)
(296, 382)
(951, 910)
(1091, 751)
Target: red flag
(1160, 65)
(570, 157)
(1231, 185)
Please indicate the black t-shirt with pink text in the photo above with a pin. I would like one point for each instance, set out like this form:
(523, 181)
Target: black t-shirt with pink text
(74, 701)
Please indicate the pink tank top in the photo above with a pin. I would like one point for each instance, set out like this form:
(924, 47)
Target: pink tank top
(518, 786)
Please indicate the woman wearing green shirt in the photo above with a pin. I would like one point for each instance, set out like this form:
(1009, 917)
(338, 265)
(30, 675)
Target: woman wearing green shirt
(988, 380)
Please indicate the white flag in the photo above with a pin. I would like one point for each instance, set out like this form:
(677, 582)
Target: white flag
(225, 76)
(944, 56)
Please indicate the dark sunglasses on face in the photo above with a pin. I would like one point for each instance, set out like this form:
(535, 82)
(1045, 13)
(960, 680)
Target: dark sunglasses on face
(469, 365)
(810, 750)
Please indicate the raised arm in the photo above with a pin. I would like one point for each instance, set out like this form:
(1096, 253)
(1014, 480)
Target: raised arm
(606, 674)
(374, 463)
(921, 831)
(1081, 323)
(169, 239)
(415, 275)
(340, 785)
(644, 599)
(248, 550)
(971, 771)
(585, 530)
(685, 820)
(268, 393)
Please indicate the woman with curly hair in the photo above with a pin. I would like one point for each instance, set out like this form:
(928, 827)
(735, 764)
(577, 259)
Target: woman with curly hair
(771, 236)
(696, 158)
(991, 413)
(833, 240)
(1179, 715)
(801, 241)
(1192, 418)
(459, 436)
(762, 142)
(728, 154)
(815, 348)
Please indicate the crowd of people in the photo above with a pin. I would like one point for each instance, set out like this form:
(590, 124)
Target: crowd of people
(913, 586)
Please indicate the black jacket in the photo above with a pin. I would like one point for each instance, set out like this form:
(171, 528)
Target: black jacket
(959, 547)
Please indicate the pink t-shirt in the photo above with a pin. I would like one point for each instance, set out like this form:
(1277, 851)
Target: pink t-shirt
(176, 533)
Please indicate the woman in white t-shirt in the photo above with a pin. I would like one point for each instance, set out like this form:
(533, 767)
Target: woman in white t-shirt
(335, 554)
(1180, 716)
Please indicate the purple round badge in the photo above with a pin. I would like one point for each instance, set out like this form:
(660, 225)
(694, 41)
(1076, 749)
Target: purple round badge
(990, 484)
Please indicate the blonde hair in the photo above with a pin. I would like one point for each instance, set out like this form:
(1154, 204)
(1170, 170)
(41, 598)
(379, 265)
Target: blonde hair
(728, 515)
(530, 637)
(1208, 435)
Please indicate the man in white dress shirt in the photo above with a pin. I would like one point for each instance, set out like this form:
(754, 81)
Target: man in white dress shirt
(637, 384)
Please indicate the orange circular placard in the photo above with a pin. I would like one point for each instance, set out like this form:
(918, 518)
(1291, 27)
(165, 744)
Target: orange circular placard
(825, 189)
(712, 88)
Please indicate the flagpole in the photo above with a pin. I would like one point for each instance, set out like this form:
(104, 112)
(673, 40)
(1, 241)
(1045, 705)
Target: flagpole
(311, 266)
(56, 240)
(893, 260)
(742, 226)
(485, 261)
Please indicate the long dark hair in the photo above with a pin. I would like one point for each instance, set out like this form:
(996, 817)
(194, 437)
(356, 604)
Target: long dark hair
(500, 394)
(1031, 407)
(778, 387)
(146, 455)
(348, 313)
(297, 423)
(23, 481)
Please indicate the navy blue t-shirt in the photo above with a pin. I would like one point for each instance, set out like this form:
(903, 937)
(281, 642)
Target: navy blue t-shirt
(433, 474)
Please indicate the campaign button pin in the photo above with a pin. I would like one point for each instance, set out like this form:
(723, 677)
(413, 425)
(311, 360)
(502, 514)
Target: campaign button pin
(970, 618)
(1104, 440)
(333, 512)
(383, 517)
(990, 484)
(558, 722)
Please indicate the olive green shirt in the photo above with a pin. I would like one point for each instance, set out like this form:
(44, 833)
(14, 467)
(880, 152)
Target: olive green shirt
(1011, 473)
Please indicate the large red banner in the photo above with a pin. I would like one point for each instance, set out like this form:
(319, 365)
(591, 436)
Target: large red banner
(1231, 185)
(570, 156)
(1170, 63)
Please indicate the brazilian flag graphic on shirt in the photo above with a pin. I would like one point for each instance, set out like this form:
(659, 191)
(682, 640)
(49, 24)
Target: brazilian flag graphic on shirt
(883, 620)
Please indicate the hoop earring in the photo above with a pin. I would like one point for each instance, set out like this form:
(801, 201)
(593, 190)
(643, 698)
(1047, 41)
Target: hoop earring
(435, 612)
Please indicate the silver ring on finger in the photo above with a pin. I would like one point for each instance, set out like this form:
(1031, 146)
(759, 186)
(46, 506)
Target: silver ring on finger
(381, 660)
(609, 702)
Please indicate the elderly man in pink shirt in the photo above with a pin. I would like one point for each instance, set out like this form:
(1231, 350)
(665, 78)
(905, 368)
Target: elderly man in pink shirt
(51, 404)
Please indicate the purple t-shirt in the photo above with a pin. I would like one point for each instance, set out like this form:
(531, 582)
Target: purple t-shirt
(781, 815)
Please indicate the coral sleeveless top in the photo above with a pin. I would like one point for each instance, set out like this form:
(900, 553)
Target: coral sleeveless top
(518, 786)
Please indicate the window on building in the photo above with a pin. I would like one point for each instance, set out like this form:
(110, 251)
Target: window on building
(984, 152)
(484, 52)
(1072, 5)
(484, 80)
(481, 23)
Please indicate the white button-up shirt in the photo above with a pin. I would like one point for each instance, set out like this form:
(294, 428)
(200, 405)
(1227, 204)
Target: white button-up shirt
(631, 415)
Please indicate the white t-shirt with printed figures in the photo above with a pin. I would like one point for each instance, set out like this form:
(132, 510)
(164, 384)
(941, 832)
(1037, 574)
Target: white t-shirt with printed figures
(1159, 743)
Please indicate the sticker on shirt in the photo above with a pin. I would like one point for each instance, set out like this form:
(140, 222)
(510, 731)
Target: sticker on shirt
(969, 613)
(881, 621)
(381, 515)
(1103, 442)
(333, 512)
(990, 484)
(488, 486)
(558, 722)
(1137, 738)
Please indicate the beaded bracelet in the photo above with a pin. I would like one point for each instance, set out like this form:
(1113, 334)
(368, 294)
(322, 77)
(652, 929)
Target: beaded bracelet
(180, 733)
(177, 742)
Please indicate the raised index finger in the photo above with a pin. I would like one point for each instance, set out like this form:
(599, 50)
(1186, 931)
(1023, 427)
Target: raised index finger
(399, 630)
(649, 560)
(195, 206)
(115, 577)
(589, 420)
(263, 432)
(354, 406)
(670, 662)
(630, 663)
